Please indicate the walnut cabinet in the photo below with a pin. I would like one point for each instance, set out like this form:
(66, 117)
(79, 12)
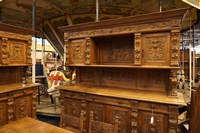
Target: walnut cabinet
(17, 100)
(125, 67)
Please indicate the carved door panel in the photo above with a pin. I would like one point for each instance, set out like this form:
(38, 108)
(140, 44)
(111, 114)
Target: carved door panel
(3, 113)
(77, 51)
(22, 107)
(124, 118)
(17, 52)
(157, 124)
(156, 49)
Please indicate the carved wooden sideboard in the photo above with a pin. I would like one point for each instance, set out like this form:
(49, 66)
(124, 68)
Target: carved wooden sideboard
(125, 67)
(17, 100)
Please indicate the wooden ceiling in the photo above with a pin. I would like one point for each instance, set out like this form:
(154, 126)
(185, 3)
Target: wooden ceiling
(51, 14)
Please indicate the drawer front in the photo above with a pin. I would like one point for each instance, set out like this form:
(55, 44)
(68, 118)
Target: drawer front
(108, 100)
(22, 92)
(71, 94)
(154, 106)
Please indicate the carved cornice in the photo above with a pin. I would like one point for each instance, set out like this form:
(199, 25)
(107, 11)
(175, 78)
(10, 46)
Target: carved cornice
(14, 35)
(121, 29)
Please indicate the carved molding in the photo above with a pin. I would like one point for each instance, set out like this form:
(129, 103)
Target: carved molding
(138, 52)
(127, 29)
(134, 121)
(173, 122)
(5, 51)
(67, 51)
(88, 51)
(173, 83)
(29, 58)
(14, 35)
(10, 110)
(175, 45)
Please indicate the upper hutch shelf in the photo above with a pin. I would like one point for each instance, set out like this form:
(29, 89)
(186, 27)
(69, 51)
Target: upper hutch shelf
(150, 40)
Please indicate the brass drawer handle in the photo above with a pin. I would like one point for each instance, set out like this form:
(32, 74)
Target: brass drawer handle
(120, 102)
(24, 91)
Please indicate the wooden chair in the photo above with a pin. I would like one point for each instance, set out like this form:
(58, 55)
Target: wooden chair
(72, 123)
(102, 127)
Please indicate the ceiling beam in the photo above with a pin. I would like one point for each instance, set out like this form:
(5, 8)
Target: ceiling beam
(54, 32)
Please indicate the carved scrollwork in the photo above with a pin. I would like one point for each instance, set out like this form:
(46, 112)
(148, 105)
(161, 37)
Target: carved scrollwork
(155, 49)
(5, 52)
(173, 124)
(127, 29)
(87, 51)
(29, 59)
(67, 51)
(137, 60)
(173, 83)
(175, 44)
(134, 121)
(10, 109)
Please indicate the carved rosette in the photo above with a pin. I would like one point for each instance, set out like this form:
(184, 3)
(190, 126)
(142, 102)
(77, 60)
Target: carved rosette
(5, 52)
(67, 51)
(29, 59)
(175, 45)
(173, 122)
(137, 50)
(10, 110)
(173, 83)
(88, 51)
(176, 23)
(134, 119)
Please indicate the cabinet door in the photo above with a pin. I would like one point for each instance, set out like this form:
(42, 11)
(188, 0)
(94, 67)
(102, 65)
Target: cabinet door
(3, 113)
(158, 125)
(17, 52)
(156, 49)
(124, 118)
(23, 107)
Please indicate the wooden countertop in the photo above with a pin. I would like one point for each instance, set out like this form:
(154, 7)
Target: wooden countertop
(30, 125)
(17, 86)
(132, 94)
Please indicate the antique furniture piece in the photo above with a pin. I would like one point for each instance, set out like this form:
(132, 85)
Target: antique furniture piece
(125, 67)
(17, 94)
(30, 125)
(73, 121)
(102, 127)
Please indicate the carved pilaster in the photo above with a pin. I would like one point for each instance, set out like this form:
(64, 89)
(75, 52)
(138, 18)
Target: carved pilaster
(10, 110)
(173, 122)
(34, 96)
(29, 59)
(62, 99)
(134, 121)
(88, 51)
(175, 46)
(5, 51)
(67, 51)
(173, 83)
(137, 50)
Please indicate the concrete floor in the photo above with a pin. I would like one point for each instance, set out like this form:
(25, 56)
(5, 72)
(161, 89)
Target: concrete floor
(45, 111)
